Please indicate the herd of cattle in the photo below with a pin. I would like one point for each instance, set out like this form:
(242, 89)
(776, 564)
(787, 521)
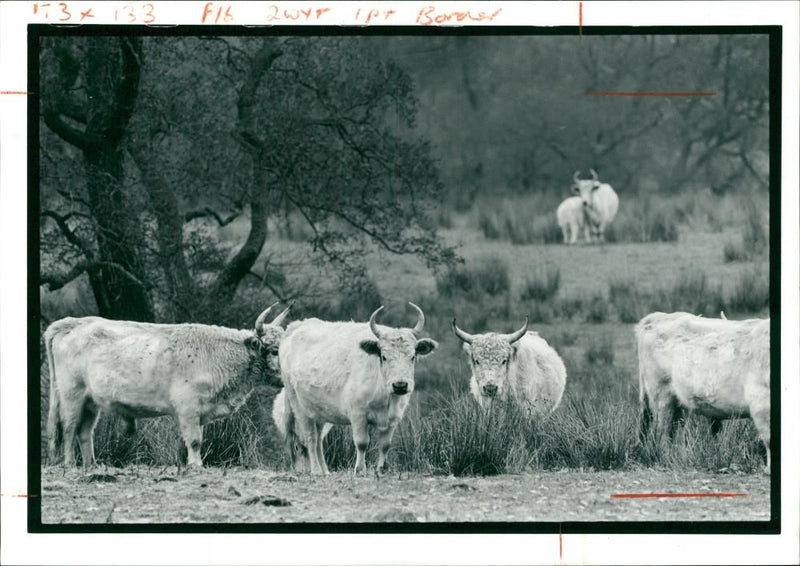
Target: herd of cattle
(362, 374)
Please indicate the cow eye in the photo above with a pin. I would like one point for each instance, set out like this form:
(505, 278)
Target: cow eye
(413, 359)
(383, 358)
(504, 362)
(474, 361)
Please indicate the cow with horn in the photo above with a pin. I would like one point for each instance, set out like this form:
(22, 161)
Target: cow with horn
(346, 373)
(195, 373)
(520, 367)
(600, 205)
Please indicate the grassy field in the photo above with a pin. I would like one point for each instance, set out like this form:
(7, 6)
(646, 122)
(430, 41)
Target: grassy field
(691, 254)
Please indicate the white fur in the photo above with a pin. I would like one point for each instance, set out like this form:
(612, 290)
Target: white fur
(529, 371)
(570, 218)
(192, 372)
(330, 379)
(715, 367)
(601, 207)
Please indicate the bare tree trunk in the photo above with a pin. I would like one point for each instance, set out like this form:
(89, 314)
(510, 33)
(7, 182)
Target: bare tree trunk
(113, 68)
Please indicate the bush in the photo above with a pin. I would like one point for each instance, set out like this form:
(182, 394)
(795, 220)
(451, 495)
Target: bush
(597, 309)
(570, 306)
(489, 276)
(542, 285)
(692, 293)
(626, 300)
(751, 291)
(754, 239)
(600, 350)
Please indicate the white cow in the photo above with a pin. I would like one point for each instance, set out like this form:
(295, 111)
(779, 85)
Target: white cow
(355, 373)
(715, 367)
(600, 203)
(521, 366)
(193, 372)
(570, 218)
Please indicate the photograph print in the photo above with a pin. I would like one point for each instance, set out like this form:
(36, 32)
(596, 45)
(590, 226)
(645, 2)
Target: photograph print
(508, 279)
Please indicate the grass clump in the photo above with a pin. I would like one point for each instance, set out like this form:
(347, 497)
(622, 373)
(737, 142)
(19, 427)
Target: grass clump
(542, 285)
(751, 291)
(488, 276)
(597, 309)
(600, 350)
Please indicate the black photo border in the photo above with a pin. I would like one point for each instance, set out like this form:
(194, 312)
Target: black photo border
(34, 523)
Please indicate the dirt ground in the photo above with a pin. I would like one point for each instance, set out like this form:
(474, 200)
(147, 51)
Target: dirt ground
(214, 495)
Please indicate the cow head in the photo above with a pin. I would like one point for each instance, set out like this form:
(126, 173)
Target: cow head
(265, 343)
(398, 349)
(585, 188)
(490, 356)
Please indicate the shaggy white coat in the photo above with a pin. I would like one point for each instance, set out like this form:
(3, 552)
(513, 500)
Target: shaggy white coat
(192, 372)
(330, 378)
(715, 367)
(529, 371)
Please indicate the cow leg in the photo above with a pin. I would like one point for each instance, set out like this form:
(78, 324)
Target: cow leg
(71, 408)
(312, 439)
(666, 410)
(320, 450)
(384, 441)
(565, 233)
(361, 440)
(760, 413)
(86, 426)
(587, 233)
(192, 433)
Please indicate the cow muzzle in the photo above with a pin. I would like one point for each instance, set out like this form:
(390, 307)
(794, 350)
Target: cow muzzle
(400, 387)
(489, 390)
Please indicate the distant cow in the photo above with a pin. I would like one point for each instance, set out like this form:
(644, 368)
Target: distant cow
(355, 373)
(572, 218)
(715, 367)
(600, 203)
(193, 372)
(520, 366)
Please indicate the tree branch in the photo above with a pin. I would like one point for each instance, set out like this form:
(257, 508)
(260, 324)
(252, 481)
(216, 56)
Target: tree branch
(72, 237)
(79, 139)
(206, 212)
(55, 282)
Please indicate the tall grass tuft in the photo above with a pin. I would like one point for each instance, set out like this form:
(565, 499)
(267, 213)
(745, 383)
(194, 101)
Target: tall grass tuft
(751, 291)
(597, 309)
(600, 350)
(542, 284)
(626, 299)
(693, 293)
(488, 276)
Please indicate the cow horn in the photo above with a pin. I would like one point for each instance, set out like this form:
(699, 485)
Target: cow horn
(576, 176)
(262, 317)
(468, 338)
(372, 325)
(594, 175)
(518, 334)
(420, 319)
(281, 317)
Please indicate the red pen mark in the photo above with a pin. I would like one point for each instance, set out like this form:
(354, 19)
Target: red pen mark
(560, 545)
(16, 495)
(13, 92)
(87, 14)
(651, 94)
(655, 495)
(580, 20)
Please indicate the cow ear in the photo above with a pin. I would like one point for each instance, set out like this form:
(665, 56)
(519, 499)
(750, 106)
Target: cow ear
(467, 348)
(371, 347)
(425, 346)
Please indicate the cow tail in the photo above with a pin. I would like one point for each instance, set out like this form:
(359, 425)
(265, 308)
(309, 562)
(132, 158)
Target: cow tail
(54, 415)
(646, 413)
(283, 416)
